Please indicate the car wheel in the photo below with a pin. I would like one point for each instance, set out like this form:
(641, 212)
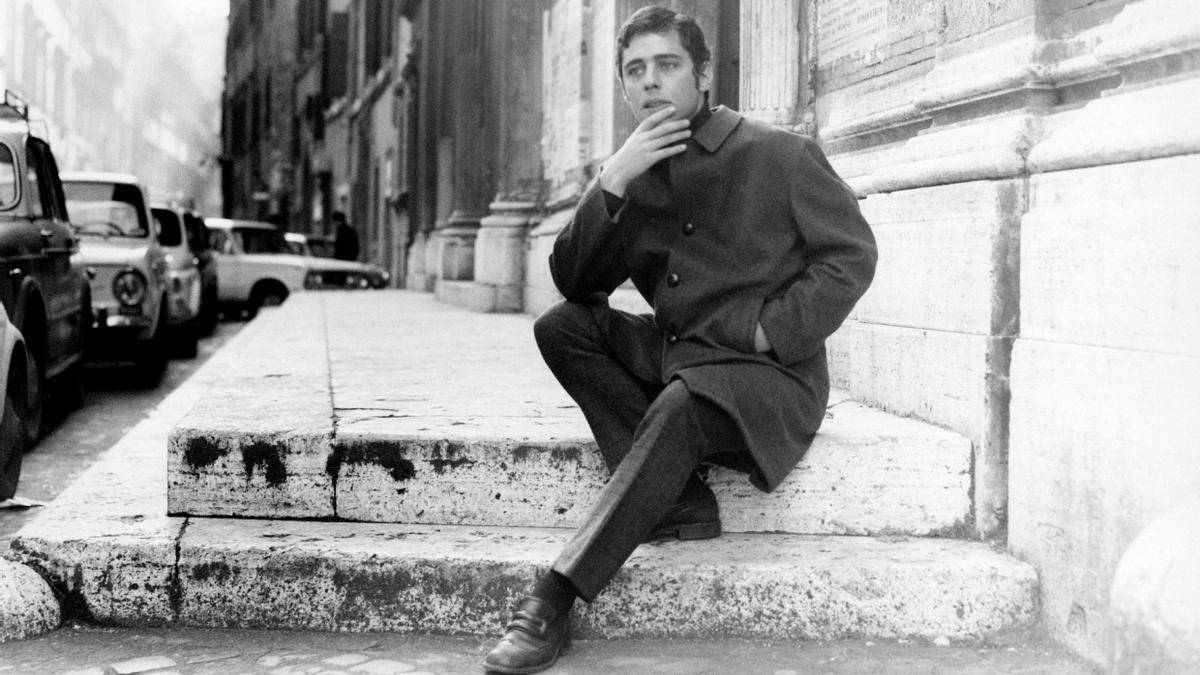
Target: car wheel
(35, 399)
(267, 296)
(69, 390)
(207, 321)
(12, 442)
(153, 362)
(187, 338)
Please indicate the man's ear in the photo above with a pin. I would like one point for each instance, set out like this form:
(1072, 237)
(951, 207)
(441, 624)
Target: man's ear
(704, 81)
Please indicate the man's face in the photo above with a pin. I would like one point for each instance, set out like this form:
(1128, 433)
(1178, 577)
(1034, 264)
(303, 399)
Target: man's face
(658, 71)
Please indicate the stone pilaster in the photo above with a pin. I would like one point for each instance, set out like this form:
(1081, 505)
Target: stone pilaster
(1106, 369)
(930, 110)
(771, 51)
(499, 247)
(471, 144)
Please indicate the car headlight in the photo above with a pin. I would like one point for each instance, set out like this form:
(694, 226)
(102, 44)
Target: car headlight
(313, 279)
(129, 288)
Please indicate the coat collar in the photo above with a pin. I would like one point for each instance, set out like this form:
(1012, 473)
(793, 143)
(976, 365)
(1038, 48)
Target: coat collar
(720, 124)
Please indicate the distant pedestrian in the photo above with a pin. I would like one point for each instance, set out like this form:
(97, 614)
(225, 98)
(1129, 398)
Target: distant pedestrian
(751, 251)
(345, 239)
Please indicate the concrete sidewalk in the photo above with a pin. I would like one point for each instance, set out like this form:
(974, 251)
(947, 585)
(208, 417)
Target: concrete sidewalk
(330, 406)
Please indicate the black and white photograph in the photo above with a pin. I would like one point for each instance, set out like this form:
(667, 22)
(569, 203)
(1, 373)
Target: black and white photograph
(687, 337)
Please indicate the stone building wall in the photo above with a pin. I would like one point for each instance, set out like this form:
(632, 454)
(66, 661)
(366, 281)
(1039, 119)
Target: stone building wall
(1023, 164)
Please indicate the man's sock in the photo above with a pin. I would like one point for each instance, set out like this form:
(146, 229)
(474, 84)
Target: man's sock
(555, 590)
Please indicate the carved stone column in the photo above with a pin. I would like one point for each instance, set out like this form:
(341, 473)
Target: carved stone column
(515, 58)
(771, 77)
(471, 141)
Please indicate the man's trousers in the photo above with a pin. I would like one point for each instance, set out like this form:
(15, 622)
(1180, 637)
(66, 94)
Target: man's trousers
(652, 435)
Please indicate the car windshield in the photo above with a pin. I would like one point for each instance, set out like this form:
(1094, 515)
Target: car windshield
(253, 240)
(297, 247)
(106, 209)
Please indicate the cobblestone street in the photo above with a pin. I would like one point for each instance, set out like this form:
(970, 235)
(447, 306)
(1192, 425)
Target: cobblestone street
(89, 650)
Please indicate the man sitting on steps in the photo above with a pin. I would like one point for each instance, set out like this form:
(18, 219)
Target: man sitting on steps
(752, 252)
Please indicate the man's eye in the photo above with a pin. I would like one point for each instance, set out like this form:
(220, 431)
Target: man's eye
(670, 65)
(635, 71)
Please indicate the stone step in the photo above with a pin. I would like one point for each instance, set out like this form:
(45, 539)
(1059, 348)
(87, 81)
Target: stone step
(250, 573)
(325, 416)
(109, 549)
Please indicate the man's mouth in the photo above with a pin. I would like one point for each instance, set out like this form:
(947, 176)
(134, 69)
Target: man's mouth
(656, 104)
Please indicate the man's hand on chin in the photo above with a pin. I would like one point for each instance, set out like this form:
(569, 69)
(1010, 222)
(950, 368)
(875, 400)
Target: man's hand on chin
(652, 141)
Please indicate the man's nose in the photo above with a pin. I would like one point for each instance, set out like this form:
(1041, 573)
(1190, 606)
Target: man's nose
(651, 81)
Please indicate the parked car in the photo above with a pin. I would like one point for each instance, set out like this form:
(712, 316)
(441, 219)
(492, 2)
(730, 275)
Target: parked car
(183, 277)
(321, 247)
(310, 244)
(118, 246)
(43, 294)
(197, 236)
(13, 382)
(255, 269)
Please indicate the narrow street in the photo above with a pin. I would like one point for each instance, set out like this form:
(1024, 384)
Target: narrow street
(76, 438)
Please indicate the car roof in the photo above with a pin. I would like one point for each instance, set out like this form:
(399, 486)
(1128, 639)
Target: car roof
(99, 177)
(13, 123)
(230, 223)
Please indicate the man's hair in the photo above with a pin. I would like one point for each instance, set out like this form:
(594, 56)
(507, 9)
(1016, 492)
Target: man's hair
(661, 20)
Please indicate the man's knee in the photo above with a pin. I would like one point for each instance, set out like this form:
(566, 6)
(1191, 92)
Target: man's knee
(562, 323)
(716, 430)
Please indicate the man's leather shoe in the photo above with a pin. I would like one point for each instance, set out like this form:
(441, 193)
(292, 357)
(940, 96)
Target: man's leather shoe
(694, 516)
(532, 641)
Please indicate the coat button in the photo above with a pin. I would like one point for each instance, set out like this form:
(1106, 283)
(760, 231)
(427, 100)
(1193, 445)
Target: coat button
(672, 339)
(688, 229)
(672, 280)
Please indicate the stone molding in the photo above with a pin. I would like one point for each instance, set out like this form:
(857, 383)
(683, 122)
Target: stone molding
(1146, 42)
(1151, 29)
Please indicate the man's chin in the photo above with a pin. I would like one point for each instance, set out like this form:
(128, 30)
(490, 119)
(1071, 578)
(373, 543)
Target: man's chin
(642, 113)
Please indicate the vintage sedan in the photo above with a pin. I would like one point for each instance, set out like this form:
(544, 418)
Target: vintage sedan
(310, 244)
(184, 284)
(321, 247)
(118, 247)
(255, 268)
(13, 381)
(197, 236)
(44, 295)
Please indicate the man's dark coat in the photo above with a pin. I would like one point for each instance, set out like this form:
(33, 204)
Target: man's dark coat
(750, 225)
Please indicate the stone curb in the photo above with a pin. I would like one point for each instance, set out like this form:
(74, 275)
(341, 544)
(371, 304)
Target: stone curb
(27, 603)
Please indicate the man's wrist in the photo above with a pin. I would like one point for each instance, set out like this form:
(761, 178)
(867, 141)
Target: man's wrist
(611, 185)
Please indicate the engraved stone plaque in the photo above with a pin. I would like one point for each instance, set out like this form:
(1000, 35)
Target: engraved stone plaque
(849, 27)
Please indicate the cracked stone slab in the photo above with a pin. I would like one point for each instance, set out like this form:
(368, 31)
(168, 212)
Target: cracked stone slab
(386, 577)
(259, 441)
(105, 543)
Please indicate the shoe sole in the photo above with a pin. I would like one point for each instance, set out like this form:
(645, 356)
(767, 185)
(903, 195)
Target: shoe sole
(688, 532)
(528, 670)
